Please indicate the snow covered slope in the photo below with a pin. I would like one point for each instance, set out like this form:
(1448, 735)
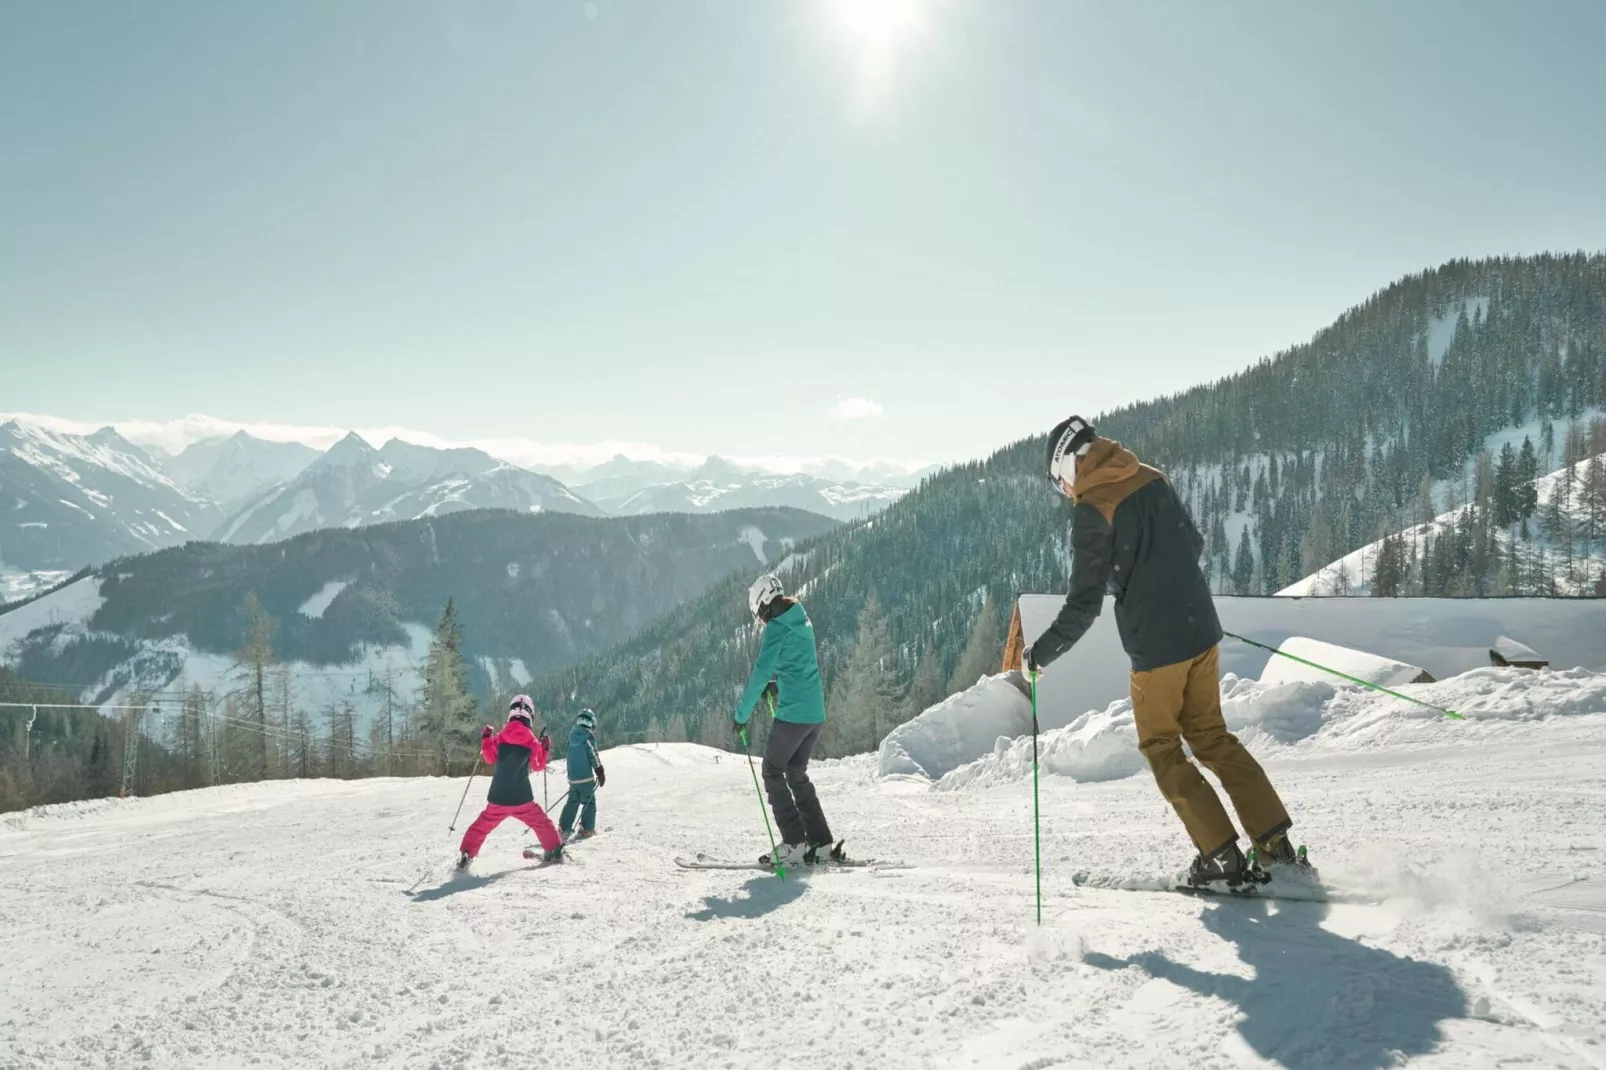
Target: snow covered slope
(353, 485)
(233, 469)
(303, 924)
(67, 501)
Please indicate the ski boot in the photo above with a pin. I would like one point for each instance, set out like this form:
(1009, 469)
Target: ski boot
(787, 854)
(1277, 852)
(1226, 865)
(819, 854)
(463, 860)
(583, 834)
(554, 855)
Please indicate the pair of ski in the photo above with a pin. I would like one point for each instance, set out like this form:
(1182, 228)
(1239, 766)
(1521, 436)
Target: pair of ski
(1296, 889)
(704, 861)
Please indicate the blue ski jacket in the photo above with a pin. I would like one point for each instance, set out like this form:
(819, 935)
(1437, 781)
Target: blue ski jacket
(583, 760)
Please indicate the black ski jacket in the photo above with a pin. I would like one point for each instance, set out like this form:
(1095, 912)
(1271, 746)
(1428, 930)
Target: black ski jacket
(1131, 535)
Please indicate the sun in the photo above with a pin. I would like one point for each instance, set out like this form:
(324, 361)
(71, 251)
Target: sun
(877, 26)
(876, 34)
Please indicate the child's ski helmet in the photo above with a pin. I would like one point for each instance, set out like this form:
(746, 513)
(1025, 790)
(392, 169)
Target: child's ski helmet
(522, 709)
(587, 717)
(765, 590)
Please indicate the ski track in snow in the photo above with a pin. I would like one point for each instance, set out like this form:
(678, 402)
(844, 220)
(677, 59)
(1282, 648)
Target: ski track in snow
(273, 925)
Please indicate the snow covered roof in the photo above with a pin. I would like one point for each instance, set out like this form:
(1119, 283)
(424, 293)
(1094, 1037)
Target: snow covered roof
(1372, 668)
(1445, 636)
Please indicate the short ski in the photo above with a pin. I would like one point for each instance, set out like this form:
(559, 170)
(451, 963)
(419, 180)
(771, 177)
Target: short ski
(703, 861)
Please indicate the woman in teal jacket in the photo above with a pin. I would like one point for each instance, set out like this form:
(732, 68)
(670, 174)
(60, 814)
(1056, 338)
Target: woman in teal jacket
(788, 671)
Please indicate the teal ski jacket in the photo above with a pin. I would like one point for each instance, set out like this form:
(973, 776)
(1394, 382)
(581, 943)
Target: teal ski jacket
(788, 657)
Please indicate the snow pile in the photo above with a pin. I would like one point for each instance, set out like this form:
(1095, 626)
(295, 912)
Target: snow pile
(957, 730)
(1103, 744)
(1372, 668)
(1491, 696)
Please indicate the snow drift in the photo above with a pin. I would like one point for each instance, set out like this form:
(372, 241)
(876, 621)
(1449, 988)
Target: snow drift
(957, 730)
(968, 741)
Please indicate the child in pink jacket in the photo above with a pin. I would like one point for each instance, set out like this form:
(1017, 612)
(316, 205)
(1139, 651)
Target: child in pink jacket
(513, 753)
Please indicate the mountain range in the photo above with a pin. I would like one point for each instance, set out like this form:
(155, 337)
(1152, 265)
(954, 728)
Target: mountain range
(67, 501)
(532, 593)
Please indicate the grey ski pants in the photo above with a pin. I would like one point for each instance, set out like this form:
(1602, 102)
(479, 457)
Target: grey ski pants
(798, 817)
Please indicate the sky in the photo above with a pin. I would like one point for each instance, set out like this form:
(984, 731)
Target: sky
(912, 229)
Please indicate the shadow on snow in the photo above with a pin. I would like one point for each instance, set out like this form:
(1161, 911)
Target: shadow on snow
(1317, 1000)
(763, 894)
(456, 884)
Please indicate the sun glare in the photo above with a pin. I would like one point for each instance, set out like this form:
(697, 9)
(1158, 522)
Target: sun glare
(877, 33)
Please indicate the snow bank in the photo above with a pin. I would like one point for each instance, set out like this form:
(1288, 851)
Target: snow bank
(957, 730)
(1103, 744)
(1372, 668)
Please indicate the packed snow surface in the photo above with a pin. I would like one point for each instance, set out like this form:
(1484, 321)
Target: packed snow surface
(1372, 668)
(301, 924)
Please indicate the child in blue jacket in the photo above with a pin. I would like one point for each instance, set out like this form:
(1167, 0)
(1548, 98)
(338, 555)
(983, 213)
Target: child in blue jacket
(586, 775)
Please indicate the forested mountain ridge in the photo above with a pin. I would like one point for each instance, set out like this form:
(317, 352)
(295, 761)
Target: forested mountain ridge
(1301, 458)
(541, 589)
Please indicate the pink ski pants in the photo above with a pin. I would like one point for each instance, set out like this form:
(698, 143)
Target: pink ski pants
(493, 815)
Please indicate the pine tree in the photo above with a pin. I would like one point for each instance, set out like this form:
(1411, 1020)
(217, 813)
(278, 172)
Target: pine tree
(865, 695)
(446, 706)
(983, 651)
(1389, 573)
(1243, 566)
(1527, 495)
(926, 690)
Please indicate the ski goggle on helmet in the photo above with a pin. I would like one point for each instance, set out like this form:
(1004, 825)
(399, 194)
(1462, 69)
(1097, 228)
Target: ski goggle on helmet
(1070, 439)
(765, 590)
(521, 709)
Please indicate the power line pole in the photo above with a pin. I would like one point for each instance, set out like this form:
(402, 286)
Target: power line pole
(131, 719)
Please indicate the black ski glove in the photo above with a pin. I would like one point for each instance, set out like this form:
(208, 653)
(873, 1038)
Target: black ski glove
(602, 777)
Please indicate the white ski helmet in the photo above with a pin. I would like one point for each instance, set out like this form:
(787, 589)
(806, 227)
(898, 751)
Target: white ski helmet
(522, 709)
(765, 590)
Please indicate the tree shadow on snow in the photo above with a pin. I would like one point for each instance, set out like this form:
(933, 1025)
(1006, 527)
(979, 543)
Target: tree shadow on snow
(764, 894)
(455, 884)
(1317, 1000)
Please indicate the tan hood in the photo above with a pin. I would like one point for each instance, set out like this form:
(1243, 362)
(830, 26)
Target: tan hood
(1106, 462)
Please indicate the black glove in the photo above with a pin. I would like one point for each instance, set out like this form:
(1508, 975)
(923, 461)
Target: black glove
(602, 777)
(1028, 666)
(772, 693)
(487, 732)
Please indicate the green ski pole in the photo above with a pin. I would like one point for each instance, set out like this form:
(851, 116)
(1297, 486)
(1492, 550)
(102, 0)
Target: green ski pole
(1346, 676)
(774, 852)
(1037, 821)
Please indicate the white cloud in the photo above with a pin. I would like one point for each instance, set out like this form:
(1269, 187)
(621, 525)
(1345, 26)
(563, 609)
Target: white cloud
(856, 409)
(173, 435)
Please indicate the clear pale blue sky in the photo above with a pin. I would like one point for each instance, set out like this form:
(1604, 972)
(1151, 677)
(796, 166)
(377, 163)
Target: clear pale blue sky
(697, 224)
